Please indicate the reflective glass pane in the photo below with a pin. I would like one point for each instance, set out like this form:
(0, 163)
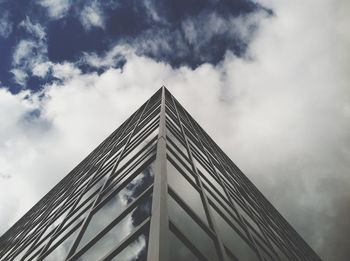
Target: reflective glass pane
(230, 256)
(71, 225)
(175, 140)
(179, 251)
(131, 154)
(61, 251)
(136, 251)
(36, 250)
(208, 178)
(92, 191)
(114, 236)
(192, 231)
(186, 191)
(237, 245)
(170, 120)
(281, 256)
(120, 177)
(110, 210)
(248, 218)
(21, 254)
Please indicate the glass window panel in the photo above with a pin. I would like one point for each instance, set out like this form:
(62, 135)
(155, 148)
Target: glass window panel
(55, 210)
(144, 125)
(228, 213)
(229, 186)
(136, 251)
(248, 219)
(264, 250)
(48, 231)
(77, 214)
(170, 120)
(281, 255)
(151, 110)
(61, 251)
(82, 183)
(120, 177)
(185, 169)
(179, 144)
(93, 190)
(192, 230)
(179, 251)
(67, 228)
(186, 191)
(237, 245)
(115, 206)
(210, 192)
(198, 153)
(112, 158)
(36, 250)
(21, 254)
(145, 135)
(230, 256)
(175, 135)
(175, 154)
(189, 134)
(170, 109)
(100, 158)
(132, 153)
(205, 166)
(208, 178)
(114, 236)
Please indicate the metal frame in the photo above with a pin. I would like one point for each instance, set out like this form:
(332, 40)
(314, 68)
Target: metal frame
(158, 246)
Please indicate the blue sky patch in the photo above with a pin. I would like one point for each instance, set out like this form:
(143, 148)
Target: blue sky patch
(35, 35)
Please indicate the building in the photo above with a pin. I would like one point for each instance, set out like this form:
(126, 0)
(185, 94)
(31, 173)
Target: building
(157, 189)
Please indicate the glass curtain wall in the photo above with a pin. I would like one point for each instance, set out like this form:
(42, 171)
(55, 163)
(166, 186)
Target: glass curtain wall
(157, 189)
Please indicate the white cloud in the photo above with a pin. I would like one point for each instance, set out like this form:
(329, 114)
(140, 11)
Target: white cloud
(109, 59)
(41, 69)
(30, 55)
(65, 71)
(91, 16)
(20, 76)
(34, 29)
(56, 8)
(152, 12)
(5, 25)
(23, 50)
(202, 29)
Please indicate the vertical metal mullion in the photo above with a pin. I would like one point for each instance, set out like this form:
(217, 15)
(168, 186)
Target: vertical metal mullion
(222, 253)
(89, 215)
(158, 247)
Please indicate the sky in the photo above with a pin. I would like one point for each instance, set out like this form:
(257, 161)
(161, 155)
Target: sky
(268, 80)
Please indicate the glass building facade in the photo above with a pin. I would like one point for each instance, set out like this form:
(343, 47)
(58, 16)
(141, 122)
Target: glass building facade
(157, 189)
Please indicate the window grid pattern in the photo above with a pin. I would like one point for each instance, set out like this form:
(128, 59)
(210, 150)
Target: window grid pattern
(229, 193)
(68, 207)
(163, 173)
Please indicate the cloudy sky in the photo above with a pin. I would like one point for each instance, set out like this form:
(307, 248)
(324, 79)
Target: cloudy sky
(268, 80)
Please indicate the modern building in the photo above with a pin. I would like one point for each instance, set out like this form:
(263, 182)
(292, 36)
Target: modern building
(157, 189)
